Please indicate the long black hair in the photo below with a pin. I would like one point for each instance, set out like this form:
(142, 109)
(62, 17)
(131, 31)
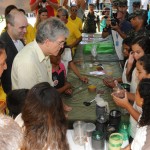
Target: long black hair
(145, 62)
(144, 43)
(144, 91)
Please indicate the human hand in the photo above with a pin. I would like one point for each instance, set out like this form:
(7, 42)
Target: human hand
(68, 91)
(116, 27)
(109, 82)
(108, 21)
(127, 147)
(131, 58)
(122, 102)
(104, 16)
(84, 79)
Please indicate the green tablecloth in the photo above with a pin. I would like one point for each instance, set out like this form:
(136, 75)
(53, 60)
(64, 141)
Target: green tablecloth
(80, 94)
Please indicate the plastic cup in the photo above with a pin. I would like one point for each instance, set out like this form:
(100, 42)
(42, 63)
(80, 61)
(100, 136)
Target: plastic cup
(119, 93)
(115, 141)
(90, 127)
(79, 132)
(92, 88)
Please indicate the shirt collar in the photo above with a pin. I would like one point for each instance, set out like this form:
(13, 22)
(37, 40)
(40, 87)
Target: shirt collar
(40, 53)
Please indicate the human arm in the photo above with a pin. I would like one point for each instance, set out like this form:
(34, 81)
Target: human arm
(105, 32)
(76, 42)
(124, 103)
(83, 4)
(65, 4)
(131, 96)
(52, 4)
(80, 25)
(117, 28)
(98, 26)
(98, 23)
(34, 5)
(127, 147)
(76, 71)
(66, 86)
(129, 64)
(109, 81)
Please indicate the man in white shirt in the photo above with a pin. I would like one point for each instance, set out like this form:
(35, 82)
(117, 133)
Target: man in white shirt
(32, 64)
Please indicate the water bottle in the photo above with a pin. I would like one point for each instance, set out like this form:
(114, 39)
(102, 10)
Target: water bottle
(124, 131)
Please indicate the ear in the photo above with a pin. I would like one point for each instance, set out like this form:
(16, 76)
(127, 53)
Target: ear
(47, 42)
(148, 75)
(9, 25)
(142, 101)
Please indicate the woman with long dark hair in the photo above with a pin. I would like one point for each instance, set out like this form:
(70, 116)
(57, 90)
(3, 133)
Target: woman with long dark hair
(44, 119)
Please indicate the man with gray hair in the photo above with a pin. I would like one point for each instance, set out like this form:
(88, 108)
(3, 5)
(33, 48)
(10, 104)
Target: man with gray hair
(16, 24)
(11, 135)
(32, 65)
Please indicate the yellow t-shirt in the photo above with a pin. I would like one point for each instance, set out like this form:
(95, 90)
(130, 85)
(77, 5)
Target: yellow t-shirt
(77, 22)
(74, 33)
(30, 34)
(2, 101)
(2, 94)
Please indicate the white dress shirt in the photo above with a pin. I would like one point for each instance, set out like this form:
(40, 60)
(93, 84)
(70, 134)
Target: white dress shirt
(30, 67)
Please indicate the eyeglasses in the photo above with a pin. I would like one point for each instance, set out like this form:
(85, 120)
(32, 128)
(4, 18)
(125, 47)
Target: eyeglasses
(74, 10)
(60, 43)
(60, 16)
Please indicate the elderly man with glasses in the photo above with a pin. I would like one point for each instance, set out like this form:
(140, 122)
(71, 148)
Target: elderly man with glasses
(32, 65)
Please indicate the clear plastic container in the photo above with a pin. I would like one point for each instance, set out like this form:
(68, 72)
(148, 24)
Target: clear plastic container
(79, 132)
(90, 127)
(118, 90)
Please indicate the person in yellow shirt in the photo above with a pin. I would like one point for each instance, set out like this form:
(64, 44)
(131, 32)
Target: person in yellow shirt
(73, 17)
(3, 66)
(75, 35)
(72, 41)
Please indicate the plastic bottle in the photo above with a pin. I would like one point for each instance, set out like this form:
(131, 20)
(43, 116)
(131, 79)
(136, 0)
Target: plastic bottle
(124, 132)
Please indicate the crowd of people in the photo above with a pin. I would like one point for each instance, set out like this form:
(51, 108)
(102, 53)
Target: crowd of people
(34, 63)
(132, 32)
